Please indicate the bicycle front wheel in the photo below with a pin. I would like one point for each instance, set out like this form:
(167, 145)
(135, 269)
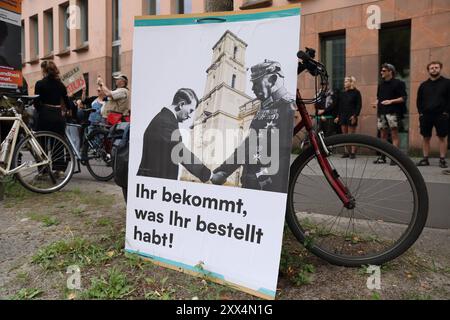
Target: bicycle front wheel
(97, 149)
(44, 178)
(389, 191)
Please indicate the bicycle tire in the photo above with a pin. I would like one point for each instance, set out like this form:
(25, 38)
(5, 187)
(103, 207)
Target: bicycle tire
(95, 143)
(302, 229)
(60, 149)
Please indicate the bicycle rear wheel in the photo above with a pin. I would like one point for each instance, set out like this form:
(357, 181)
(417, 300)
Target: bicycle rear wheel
(97, 149)
(391, 202)
(44, 178)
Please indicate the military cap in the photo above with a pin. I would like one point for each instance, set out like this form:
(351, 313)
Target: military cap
(264, 68)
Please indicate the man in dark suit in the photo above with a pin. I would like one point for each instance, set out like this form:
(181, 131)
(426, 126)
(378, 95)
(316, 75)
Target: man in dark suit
(158, 158)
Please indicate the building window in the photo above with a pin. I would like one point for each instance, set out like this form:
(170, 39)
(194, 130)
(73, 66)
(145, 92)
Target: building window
(222, 5)
(255, 4)
(332, 49)
(235, 51)
(84, 21)
(117, 19)
(116, 59)
(233, 81)
(395, 48)
(22, 38)
(63, 26)
(184, 6)
(34, 37)
(116, 44)
(153, 7)
(48, 32)
(86, 80)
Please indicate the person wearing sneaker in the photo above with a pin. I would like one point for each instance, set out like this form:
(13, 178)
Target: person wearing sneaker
(433, 105)
(349, 108)
(391, 101)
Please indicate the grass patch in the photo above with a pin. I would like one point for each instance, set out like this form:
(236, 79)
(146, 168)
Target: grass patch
(77, 212)
(61, 254)
(104, 222)
(26, 294)
(114, 286)
(46, 220)
(23, 277)
(304, 276)
(14, 190)
(417, 296)
(375, 296)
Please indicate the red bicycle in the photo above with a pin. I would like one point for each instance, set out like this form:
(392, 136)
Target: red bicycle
(352, 212)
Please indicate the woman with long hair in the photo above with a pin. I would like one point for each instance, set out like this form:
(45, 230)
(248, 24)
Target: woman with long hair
(52, 105)
(349, 108)
(53, 100)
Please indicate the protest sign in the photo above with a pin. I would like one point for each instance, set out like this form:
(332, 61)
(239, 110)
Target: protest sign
(10, 51)
(213, 100)
(74, 80)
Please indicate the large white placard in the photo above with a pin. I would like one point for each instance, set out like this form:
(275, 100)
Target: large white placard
(242, 69)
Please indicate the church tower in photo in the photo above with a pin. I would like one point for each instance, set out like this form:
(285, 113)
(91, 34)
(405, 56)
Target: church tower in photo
(225, 107)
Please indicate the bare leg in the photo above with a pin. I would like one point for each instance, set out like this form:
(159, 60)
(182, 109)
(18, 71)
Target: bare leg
(344, 130)
(395, 137)
(352, 130)
(384, 134)
(426, 147)
(443, 147)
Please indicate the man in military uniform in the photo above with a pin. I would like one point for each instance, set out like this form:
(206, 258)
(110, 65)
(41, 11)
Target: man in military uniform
(270, 135)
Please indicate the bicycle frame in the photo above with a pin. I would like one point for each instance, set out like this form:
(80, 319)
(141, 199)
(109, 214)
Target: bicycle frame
(321, 151)
(14, 132)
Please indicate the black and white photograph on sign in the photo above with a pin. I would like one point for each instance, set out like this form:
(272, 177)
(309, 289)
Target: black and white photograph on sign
(237, 135)
(10, 57)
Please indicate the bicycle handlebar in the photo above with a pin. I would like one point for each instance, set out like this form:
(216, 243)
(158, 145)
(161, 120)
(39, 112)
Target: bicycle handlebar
(317, 70)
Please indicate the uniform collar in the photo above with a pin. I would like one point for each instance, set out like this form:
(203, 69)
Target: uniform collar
(277, 95)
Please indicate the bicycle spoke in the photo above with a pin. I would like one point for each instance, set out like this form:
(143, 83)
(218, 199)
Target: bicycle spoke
(385, 198)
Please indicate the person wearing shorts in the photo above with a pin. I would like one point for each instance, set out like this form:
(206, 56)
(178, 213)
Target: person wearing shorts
(433, 105)
(391, 95)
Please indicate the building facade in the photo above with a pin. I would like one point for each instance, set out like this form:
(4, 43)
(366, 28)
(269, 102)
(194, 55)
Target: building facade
(411, 34)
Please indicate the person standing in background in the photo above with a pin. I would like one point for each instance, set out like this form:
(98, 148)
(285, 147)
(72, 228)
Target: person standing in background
(392, 96)
(53, 101)
(118, 100)
(433, 105)
(349, 108)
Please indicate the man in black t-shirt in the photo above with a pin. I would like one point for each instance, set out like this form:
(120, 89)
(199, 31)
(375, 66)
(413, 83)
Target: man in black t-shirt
(433, 105)
(391, 103)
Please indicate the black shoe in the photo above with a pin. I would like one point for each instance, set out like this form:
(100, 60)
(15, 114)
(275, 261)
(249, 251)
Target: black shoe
(352, 156)
(443, 163)
(380, 160)
(345, 155)
(423, 163)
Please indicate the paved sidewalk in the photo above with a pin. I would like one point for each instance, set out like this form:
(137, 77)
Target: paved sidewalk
(439, 194)
(438, 184)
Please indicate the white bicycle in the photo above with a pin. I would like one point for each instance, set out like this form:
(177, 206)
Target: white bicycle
(42, 162)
